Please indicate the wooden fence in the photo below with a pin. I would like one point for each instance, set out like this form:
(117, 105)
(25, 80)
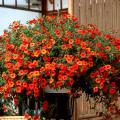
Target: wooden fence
(83, 109)
(104, 13)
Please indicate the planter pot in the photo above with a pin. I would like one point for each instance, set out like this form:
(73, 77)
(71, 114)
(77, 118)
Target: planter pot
(51, 90)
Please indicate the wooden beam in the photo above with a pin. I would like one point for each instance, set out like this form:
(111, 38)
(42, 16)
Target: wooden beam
(53, 5)
(15, 3)
(55, 12)
(44, 7)
(20, 8)
(28, 4)
(61, 3)
(3, 2)
(70, 7)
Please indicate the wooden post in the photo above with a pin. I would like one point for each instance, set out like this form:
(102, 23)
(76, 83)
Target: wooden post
(44, 7)
(3, 2)
(70, 7)
(28, 4)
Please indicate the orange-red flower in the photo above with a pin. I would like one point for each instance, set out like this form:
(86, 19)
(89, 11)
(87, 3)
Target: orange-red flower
(43, 51)
(15, 25)
(18, 89)
(71, 41)
(107, 67)
(18, 83)
(7, 59)
(24, 84)
(36, 73)
(8, 65)
(112, 91)
(32, 44)
(15, 56)
(45, 105)
(69, 58)
(36, 53)
(27, 116)
(83, 55)
(21, 72)
(10, 84)
(95, 89)
(4, 75)
(12, 75)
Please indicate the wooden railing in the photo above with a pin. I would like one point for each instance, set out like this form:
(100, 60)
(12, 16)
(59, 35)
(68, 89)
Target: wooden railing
(83, 111)
(12, 118)
(29, 6)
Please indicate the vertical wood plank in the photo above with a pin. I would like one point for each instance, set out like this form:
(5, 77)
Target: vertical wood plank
(61, 2)
(15, 3)
(44, 7)
(83, 12)
(28, 4)
(108, 15)
(53, 5)
(100, 16)
(94, 12)
(114, 15)
(76, 8)
(103, 13)
(118, 17)
(3, 2)
(88, 11)
(70, 7)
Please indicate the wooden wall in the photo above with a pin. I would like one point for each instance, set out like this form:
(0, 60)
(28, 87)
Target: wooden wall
(104, 13)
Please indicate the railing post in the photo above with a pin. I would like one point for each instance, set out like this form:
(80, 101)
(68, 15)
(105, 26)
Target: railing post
(70, 6)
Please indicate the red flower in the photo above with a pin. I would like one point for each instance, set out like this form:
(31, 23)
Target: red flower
(45, 105)
(95, 89)
(71, 82)
(113, 84)
(35, 117)
(6, 94)
(105, 89)
(83, 45)
(82, 32)
(31, 86)
(27, 116)
(112, 91)
(4, 107)
(83, 55)
(57, 32)
(92, 75)
(24, 85)
(32, 21)
(18, 89)
(107, 36)
(77, 41)
(102, 69)
(71, 41)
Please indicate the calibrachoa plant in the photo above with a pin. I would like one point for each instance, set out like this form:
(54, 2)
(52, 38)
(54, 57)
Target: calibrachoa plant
(60, 53)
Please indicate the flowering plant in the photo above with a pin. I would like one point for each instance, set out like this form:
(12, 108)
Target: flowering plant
(59, 53)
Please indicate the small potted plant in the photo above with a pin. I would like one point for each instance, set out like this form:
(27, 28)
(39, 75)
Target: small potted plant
(57, 52)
